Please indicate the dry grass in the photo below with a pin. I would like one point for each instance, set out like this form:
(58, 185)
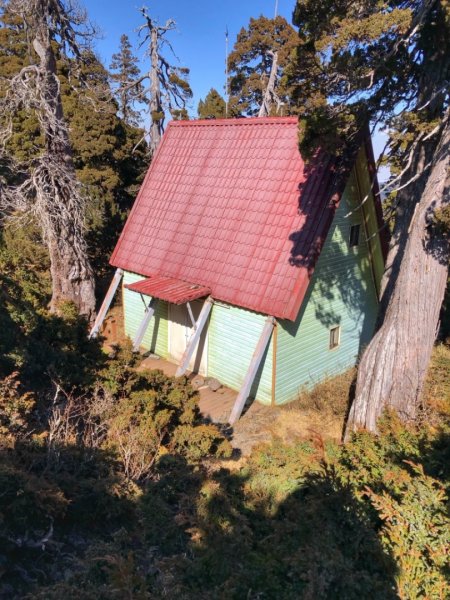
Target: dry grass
(437, 388)
(296, 424)
(317, 412)
(329, 396)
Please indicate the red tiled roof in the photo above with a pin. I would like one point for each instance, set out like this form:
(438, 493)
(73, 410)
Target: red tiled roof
(230, 205)
(167, 288)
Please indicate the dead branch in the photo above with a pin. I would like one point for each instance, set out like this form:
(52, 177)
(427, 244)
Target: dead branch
(162, 92)
(25, 542)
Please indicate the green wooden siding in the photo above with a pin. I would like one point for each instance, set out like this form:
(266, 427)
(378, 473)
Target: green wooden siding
(156, 336)
(370, 217)
(342, 292)
(232, 337)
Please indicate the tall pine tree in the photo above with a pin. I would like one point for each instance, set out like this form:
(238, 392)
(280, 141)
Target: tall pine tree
(212, 107)
(124, 71)
(257, 64)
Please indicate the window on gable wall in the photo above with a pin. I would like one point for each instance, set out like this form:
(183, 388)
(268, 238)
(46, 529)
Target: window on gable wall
(354, 235)
(335, 337)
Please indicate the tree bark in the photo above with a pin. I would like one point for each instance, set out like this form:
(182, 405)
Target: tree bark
(269, 92)
(394, 366)
(60, 211)
(156, 109)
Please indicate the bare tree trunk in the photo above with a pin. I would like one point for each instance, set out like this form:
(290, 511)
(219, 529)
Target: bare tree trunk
(60, 212)
(168, 84)
(403, 215)
(156, 109)
(269, 93)
(394, 366)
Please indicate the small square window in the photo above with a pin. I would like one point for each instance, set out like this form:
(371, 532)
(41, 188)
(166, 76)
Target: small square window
(335, 337)
(354, 235)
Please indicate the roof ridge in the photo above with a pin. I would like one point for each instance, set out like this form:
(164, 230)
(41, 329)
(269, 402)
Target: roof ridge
(235, 122)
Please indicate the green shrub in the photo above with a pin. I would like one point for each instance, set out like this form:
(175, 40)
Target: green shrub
(136, 431)
(416, 533)
(200, 441)
(160, 416)
(15, 407)
(118, 375)
(275, 471)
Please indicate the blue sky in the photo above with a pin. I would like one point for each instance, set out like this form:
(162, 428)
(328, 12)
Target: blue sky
(199, 41)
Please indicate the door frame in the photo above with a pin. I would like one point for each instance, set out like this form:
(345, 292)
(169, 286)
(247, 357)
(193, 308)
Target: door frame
(204, 358)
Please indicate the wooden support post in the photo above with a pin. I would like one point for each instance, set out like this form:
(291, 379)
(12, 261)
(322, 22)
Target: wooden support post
(274, 365)
(106, 303)
(191, 315)
(252, 370)
(195, 336)
(149, 312)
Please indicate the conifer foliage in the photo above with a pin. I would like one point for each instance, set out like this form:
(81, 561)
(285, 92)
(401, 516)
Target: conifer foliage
(46, 187)
(388, 62)
(125, 70)
(212, 107)
(257, 64)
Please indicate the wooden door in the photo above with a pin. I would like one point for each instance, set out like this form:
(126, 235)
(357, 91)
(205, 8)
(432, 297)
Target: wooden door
(180, 330)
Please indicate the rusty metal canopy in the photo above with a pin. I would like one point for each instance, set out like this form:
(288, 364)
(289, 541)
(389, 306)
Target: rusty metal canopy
(169, 289)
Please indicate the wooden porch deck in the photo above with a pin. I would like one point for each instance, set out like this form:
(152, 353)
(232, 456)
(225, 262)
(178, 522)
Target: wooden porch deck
(215, 406)
(253, 426)
(257, 422)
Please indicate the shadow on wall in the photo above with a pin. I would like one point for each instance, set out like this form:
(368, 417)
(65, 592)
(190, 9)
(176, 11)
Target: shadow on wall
(335, 280)
(255, 386)
(156, 326)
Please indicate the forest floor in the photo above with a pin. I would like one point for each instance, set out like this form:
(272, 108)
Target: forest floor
(272, 520)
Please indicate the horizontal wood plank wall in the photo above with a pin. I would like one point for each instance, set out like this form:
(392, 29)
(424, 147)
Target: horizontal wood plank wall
(370, 217)
(233, 335)
(156, 336)
(342, 292)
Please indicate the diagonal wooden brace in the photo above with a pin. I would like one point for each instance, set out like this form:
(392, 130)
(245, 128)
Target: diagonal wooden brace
(195, 336)
(252, 370)
(149, 312)
(106, 303)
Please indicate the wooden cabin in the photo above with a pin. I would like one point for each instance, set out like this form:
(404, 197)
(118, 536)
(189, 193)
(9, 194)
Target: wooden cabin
(243, 263)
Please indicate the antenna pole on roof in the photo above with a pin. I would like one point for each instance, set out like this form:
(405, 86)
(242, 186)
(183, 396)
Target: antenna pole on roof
(226, 72)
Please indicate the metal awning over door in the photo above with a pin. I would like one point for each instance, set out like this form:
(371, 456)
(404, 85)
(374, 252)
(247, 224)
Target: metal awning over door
(169, 289)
